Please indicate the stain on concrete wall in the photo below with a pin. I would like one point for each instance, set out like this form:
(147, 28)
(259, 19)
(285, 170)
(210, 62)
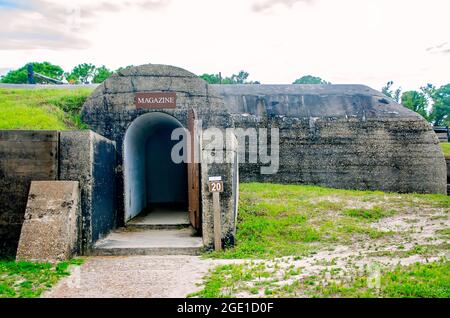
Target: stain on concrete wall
(24, 156)
(104, 187)
(341, 136)
(90, 159)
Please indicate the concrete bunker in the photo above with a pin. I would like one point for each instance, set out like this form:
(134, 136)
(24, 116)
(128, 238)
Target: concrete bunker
(342, 136)
(153, 181)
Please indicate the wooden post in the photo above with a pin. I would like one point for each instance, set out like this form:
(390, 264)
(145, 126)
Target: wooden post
(215, 185)
(217, 222)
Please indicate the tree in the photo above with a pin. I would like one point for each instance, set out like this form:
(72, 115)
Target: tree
(239, 78)
(416, 101)
(20, 76)
(440, 111)
(395, 95)
(309, 79)
(81, 74)
(211, 78)
(101, 73)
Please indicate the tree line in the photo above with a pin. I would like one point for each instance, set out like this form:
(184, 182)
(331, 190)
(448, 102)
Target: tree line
(432, 103)
(87, 73)
(84, 73)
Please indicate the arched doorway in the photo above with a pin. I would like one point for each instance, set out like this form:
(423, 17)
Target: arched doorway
(153, 182)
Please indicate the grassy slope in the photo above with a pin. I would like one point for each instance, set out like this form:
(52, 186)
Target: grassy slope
(28, 280)
(41, 108)
(281, 220)
(280, 224)
(418, 280)
(445, 146)
(37, 109)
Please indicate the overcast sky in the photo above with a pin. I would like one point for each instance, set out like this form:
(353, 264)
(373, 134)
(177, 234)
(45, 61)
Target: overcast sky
(276, 41)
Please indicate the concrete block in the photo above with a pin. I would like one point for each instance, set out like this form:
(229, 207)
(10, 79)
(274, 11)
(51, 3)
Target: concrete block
(51, 226)
(25, 155)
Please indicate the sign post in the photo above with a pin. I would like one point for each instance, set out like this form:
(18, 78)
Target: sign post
(215, 185)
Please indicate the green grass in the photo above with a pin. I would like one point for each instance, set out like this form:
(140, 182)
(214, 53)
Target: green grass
(368, 214)
(281, 220)
(53, 109)
(445, 146)
(28, 279)
(419, 280)
(225, 280)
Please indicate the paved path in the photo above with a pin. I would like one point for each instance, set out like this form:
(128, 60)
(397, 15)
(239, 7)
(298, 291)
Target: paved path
(134, 276)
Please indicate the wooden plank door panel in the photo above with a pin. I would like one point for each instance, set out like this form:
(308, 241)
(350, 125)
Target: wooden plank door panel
(193, 173)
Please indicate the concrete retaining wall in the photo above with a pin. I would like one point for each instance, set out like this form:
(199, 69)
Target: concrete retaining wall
(50, 230)
(82, 156)
(341, 136)
(24, 156)
(90, 158)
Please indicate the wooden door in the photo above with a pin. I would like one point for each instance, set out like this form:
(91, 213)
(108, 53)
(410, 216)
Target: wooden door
(194, 172)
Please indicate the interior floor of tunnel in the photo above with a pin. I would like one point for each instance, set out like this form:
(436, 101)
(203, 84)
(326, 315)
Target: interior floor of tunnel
(162, 215)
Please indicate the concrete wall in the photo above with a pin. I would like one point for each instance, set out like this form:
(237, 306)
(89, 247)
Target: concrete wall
(52, 222)
(90, 159)
(104, 191)
(448, 175)
(82, 156)
(228, 198)
(24, 156)
(111, 110)
(342, 136)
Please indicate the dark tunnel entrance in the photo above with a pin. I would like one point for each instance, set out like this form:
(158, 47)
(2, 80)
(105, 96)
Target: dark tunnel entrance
(154, 184)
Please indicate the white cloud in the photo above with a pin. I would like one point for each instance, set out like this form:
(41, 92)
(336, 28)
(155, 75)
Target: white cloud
(346, 41)
(267, 5)
(51, 24)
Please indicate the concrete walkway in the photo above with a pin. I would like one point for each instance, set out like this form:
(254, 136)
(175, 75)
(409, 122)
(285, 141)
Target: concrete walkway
(134, 276)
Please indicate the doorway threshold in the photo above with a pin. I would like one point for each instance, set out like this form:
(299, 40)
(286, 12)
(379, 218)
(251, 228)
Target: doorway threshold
(160, 218)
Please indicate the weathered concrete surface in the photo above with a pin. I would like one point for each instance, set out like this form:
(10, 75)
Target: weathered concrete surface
(228, 198)
(24, 156)
(448, 175)
(91, 159)
(110, 110)
(50, 229)
(342, 136)
(134, 277)
(134, 241)
(161, 218)
(83, 156)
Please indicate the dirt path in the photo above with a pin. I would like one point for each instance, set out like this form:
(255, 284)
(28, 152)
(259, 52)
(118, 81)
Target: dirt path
(134, 276)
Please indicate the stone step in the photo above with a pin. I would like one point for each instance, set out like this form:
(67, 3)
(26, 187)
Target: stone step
(160, 220)
(125, 241)
(143, 226)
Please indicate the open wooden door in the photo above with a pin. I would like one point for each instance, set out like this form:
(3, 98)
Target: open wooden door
(193, 174)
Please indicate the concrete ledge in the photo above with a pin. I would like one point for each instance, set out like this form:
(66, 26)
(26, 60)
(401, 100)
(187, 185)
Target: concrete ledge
(50, 230)
(149, 242)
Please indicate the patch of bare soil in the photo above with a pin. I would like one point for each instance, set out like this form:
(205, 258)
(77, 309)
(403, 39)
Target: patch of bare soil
(417, 237)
